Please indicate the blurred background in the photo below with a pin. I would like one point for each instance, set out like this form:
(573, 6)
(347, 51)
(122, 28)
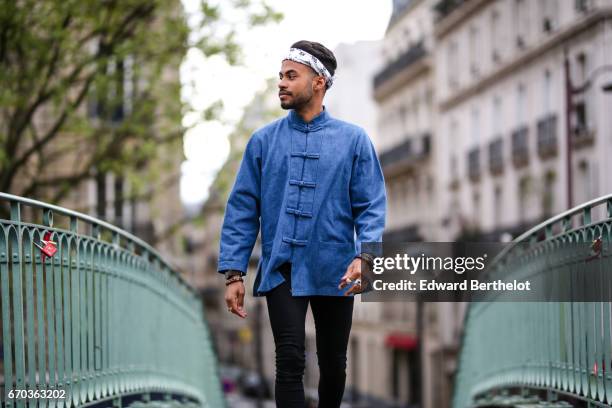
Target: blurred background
(488, 116)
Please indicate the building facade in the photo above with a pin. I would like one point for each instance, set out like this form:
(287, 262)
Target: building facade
(421, 348)
(511, 96)
(506, 129)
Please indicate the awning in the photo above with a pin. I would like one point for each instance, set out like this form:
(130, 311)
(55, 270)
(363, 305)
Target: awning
(402, 341)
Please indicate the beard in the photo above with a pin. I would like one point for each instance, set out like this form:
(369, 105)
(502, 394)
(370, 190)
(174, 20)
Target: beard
(297, 101)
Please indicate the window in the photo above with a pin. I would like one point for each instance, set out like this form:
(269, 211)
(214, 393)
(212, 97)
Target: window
(453, 142)
(474, 50)
(477, 212)
(548, 198)
(119, 199)
(407, 36)
(109, 103)
(548, 12)
(101, 195)
(405, 196)
(403, 119)
(581, 109)
(583, 5)
(581, 117)
(118, 93)
(497, 205)
(547, 92)
(523, 198)
(475, 127)
(496, 117)
(521, 21)
(451, 67)
(581, 61)
(415, 114)
(128, 83)
(585, 181)
(495, 36)
(521, 105)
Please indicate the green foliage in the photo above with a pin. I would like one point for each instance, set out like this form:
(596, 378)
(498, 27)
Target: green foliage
(98, 81)
(266, 15)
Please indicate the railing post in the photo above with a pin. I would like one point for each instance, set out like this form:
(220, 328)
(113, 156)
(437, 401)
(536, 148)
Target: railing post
(116, 239)
(586, 216)
(567, 223)
(15, 211)
(74, 224)
(48, 218)
(548, 231)
(95, 231)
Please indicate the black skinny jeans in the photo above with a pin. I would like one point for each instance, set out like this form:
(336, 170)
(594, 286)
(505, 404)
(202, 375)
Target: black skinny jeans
(333, 318)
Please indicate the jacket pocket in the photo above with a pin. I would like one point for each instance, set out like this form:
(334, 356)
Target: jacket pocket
(333, 259)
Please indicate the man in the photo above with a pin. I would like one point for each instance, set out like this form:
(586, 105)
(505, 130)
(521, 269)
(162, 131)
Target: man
(313, 181)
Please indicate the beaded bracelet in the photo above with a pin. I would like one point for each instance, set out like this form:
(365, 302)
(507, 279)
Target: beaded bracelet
(367, 258)
(233, 279)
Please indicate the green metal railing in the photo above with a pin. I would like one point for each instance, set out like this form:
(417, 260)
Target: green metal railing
(521, 352)
(105, 320)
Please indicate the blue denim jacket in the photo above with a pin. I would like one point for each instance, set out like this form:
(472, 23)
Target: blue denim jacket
(312, 187)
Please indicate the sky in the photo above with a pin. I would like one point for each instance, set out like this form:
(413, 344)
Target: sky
(205, 80)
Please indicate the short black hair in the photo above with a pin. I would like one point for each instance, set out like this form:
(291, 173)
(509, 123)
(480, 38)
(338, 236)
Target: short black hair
(322, 53)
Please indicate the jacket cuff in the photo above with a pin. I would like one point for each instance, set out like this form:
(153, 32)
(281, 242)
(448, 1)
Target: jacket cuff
(226, 266)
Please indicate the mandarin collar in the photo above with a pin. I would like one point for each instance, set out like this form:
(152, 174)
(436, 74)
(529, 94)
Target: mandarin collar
(316, 123)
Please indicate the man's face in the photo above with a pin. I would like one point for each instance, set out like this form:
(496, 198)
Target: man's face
(296, 84)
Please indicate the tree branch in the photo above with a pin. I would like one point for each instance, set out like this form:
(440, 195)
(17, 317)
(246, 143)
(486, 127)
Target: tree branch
(20, 119)
(20, 161)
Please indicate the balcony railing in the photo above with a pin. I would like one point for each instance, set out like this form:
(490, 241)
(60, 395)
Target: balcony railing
(474, 164)
(520, 147)
(582, 136)
(407, 153)
(444, 7)
(526, 353)
(103, 319)
(412, 55)
(547, 136)
(496, 156)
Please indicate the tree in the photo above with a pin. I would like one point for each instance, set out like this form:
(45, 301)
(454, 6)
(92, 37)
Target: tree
(82, 85)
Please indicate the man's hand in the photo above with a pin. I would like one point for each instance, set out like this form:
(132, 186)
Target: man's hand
(234, 298)
(353, 272)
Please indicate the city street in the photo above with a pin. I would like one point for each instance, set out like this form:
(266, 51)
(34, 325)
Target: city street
(403, 203)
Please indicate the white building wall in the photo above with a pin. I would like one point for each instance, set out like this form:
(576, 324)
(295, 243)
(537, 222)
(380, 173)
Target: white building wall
(350, 98)
(468, 117)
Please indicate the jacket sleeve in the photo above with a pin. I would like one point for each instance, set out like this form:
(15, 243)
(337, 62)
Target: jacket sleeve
(242, 212)
(368, 197)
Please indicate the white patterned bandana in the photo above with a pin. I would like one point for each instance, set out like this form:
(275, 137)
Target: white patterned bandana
(301, 56)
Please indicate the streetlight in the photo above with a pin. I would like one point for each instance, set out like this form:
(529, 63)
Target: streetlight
(570, 91)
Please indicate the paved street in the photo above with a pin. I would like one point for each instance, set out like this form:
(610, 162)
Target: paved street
(235, 400)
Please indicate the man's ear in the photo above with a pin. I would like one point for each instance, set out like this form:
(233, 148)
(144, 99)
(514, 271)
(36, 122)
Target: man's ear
(320, 82)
